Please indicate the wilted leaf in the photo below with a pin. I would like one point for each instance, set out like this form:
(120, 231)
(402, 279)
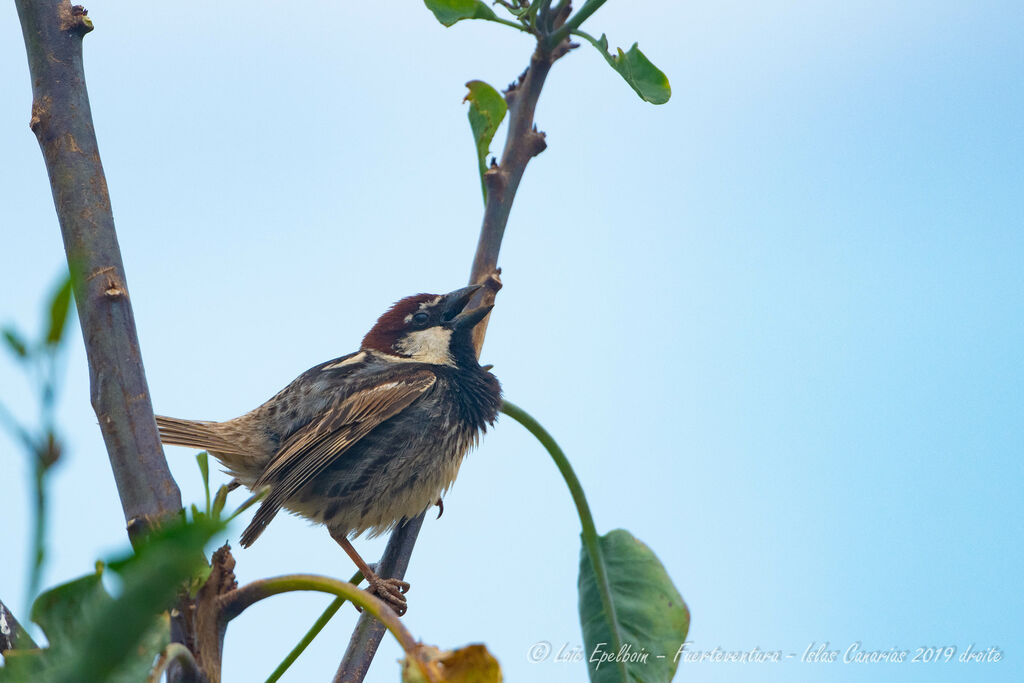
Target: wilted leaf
(649, 82)
(15, 342)
(59, 312)
(649, 612)
(450, 11)
(487, 109)
(469, 664)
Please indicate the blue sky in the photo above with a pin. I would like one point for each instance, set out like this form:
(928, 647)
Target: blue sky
(776, 323)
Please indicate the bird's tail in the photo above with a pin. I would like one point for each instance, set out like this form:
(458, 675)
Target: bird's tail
(194, 433)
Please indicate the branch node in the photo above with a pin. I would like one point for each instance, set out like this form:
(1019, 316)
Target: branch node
(75, 20)
(535, 142)
(139, 527)
(513, 88)
(493, 281)
(563, 48)
(114, 288)
(494, 179)
(114, 291)
(40, 114)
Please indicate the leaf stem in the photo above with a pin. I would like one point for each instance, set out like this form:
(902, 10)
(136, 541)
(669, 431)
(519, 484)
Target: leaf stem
(591, 541)
(312, 633)
(235, 602)
(513, 24)
(574, 22)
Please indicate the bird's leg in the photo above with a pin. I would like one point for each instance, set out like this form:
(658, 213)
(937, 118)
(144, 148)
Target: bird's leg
(390, 591)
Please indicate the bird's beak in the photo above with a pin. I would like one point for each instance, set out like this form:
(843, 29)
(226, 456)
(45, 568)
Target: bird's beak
(455, 302)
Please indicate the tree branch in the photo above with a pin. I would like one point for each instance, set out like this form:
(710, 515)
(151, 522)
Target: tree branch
(522, 143)
(62, 122)
(368, 631)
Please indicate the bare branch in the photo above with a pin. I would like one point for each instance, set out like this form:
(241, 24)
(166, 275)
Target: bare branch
(368, 632)
(62, 122)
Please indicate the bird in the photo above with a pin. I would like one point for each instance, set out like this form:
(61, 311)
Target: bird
(365, 441)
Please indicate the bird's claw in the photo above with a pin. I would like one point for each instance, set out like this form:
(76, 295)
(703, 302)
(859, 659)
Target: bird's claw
(391, 591)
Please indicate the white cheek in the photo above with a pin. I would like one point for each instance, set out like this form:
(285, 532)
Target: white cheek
(428, 346)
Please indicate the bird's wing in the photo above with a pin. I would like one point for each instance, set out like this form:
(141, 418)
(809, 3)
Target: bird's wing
(315, 446)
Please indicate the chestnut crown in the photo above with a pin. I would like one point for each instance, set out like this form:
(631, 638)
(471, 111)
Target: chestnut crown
(429, 328)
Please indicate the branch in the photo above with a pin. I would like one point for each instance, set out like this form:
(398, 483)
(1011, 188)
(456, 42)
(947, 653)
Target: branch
(12, 635)
(62, 122)
(522, 143)
(368, 632)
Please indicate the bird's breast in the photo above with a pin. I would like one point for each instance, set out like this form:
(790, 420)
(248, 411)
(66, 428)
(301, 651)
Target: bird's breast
(396, 471)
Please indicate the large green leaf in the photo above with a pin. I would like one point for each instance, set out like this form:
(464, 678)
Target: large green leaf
(649, 82)
(450, 11)
(95, 637)
(649, 614)
(487, 109)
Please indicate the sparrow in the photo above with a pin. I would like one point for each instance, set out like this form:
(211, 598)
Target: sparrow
(370, 439)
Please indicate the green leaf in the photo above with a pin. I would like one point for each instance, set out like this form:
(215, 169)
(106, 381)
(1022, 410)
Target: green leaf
(68, 614)
(649, 614)
(487, 108)
(219, 501)
(203, 459)
(94, 637)
(649, 82)
(59, 312)
(450, 11)
(15, 342)
(58, 611)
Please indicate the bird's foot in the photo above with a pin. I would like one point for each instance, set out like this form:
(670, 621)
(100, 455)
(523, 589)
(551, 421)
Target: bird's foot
(391, 591)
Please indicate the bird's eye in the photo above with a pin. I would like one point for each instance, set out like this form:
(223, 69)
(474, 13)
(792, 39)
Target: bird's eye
(421, 318)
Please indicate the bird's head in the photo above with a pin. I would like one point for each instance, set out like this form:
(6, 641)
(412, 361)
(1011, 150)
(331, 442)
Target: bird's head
(429, 328)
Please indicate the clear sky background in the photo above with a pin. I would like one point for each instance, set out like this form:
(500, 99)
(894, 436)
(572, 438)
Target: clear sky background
(776, 323)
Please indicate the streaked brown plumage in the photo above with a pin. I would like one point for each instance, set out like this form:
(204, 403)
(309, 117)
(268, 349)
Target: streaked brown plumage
(364, 441)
